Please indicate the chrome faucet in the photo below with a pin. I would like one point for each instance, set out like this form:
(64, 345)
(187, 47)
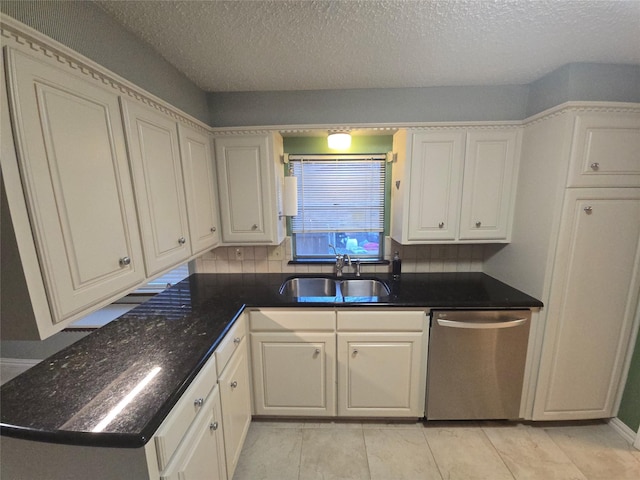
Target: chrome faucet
(357, 267)
(339, 261)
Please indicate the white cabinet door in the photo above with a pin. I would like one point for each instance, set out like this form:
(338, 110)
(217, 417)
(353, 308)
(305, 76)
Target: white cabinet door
(157, 176)
(201, 456)
(594, 294)
(249, 180)
(435, 175)
(294, 373)
(235, 395)
(488, 184)
(75, 173)
(379, 374)
(198, 171)
(605, 150)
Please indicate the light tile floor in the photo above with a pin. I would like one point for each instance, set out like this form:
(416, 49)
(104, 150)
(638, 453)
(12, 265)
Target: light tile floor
(290, 450)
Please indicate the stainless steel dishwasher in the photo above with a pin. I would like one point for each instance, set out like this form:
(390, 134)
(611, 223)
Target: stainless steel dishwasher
(476, 364)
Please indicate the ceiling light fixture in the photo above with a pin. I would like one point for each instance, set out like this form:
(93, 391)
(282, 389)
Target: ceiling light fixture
(339, 140)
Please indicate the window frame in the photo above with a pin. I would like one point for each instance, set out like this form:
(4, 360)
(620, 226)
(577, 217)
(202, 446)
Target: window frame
(329, 258)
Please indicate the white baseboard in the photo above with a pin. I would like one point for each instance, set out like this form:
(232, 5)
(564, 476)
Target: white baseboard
(619, 426)
(12, 367)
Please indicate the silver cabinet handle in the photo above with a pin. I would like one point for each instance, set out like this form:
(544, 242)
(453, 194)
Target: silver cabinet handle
(595, 166)
(213, 229)
(198, 402)
(182, 241)
(441, 225)
(237, 340)
(213, 426)
(124, 261)
(588, 210)
(478, 224)
(234, 384)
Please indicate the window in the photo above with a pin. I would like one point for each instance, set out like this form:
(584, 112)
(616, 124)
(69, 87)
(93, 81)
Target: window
(340, 203)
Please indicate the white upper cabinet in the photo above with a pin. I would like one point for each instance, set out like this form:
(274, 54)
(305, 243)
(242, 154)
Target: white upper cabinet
(488, 185)
(198, 171)
(605, 150)
(250, 178)
(74, 171)
(435, 175)
(157, 176)
(446, 191)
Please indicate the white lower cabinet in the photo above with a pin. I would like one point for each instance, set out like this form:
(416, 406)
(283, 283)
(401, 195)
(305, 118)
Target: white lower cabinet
(374, 366)
(378, 374)
(201, 455)
(235, 395)
(294, 373)
(381, 363)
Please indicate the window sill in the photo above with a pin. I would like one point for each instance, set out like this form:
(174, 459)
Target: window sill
(332, 262)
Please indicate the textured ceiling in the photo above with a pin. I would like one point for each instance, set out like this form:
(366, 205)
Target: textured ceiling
(246, 45)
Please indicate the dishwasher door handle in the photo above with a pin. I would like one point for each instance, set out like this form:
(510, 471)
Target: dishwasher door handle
(481, 325)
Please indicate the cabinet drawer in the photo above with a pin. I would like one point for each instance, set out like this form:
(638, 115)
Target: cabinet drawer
(605, 150)
(287, 320)
(230, 343)
(170, 433)
(383, 321)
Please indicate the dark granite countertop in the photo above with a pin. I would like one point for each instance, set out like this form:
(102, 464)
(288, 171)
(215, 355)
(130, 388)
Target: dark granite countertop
(64, 397)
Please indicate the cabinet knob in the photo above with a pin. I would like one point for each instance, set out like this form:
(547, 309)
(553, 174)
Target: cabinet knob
(588, 210)
(441, 225)
(213, 426)
(595, 166)
(317, 351)
(213, 229)
(237, 340)
(198, 402)
(124, 261)
(478, 224)
(254, 227)
(234, 384)
(355, 351)
(182, 241)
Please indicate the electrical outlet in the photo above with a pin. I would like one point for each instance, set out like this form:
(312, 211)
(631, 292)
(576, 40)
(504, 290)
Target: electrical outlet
(238, 254)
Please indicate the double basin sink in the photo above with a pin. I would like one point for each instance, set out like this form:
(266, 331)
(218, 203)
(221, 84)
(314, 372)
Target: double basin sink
(333, 290)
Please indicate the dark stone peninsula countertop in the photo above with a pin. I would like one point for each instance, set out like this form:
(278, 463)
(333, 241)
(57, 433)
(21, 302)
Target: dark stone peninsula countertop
(64, 397)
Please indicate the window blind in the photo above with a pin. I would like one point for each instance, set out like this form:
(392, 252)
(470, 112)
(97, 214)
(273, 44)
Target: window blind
(338, 193)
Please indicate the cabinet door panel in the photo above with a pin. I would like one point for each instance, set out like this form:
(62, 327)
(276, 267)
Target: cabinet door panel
(156, 167)
(379, 374)
(594, 294)
(200, 189)
(245, 175)
(436, 170)
(236, 405)
(294, 373)
(75, 171)
(487, 186)
(605, 150)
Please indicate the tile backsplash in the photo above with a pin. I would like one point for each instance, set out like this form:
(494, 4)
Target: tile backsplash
(275, 259)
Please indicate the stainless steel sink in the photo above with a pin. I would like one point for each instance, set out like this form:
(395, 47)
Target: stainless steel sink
(363, 288)
(309, 287)
(304, 287)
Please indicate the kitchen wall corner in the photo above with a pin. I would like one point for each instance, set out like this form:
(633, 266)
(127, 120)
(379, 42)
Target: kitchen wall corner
(275, 259)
